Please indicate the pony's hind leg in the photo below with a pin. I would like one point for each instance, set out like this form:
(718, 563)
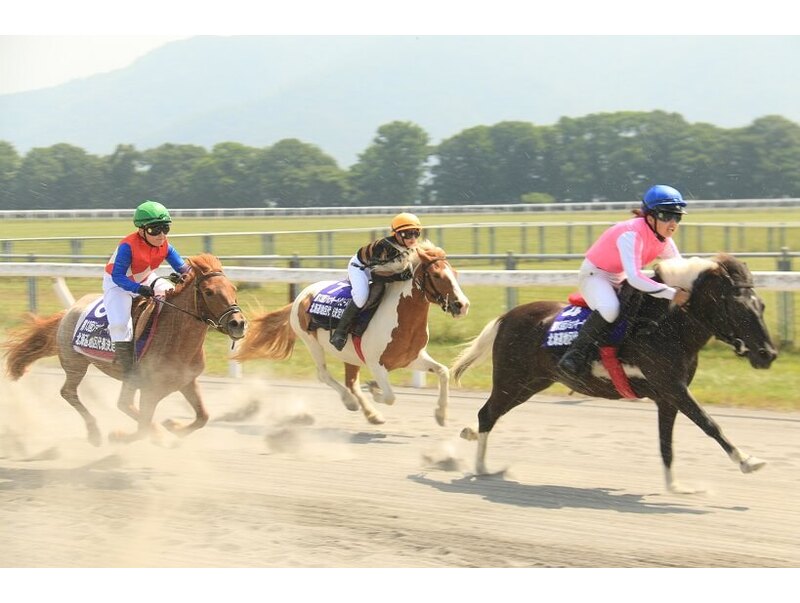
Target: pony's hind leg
(349, 400)
(502, 399)
(76, 371)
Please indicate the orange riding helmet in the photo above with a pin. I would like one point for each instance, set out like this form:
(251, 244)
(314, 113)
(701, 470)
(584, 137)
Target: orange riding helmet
(405, 221)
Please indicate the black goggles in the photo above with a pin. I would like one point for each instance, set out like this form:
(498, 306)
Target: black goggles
(156, 229)
(668, 216)
(409, 234)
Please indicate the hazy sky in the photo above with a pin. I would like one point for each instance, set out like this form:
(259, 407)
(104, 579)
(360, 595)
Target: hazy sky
(49, 42)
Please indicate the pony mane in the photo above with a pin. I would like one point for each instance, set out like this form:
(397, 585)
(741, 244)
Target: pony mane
(682, 272)
(200, 264)
(427, 251)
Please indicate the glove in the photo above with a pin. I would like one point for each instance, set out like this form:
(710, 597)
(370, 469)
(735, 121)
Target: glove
(145, 291)
(176, 278)
(406, 274)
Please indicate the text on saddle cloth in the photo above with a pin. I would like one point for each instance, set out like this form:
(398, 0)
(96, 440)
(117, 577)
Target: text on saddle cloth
(328, 305)
(568, 323)
(91, 336)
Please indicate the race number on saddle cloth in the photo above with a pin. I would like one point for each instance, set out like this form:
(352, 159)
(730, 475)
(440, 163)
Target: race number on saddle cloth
(569, 321)
(328, 305)
(91, 336)
(565, 329)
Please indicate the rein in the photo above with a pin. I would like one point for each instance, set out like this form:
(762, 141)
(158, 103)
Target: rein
(211, 322)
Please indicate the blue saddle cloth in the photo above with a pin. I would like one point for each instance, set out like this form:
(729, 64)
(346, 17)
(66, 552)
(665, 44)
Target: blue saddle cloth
(91, 336)
(568, 323)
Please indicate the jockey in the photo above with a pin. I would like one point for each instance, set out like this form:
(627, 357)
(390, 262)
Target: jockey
(620, 253)
(131, 271)
(406, 230)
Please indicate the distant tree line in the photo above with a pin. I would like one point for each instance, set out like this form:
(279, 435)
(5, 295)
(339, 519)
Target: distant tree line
(609, 156)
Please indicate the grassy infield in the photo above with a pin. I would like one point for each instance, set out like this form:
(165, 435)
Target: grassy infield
(722, 377)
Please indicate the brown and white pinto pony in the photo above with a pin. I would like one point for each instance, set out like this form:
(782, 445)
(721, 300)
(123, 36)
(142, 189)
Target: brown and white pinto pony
(396, 337)
(659, 354)
(174, 358)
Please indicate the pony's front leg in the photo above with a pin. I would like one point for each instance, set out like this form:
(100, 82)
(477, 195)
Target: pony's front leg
(351, 372)
(192, 394)
(125, 400)
(425, 363)
(148, 400)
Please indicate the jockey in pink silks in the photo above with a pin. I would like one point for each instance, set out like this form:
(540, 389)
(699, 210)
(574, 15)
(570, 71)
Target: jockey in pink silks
(620, 253)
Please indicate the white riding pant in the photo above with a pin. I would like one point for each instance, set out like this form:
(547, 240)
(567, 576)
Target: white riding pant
(359, 281)
(599, 289)
(118, 303)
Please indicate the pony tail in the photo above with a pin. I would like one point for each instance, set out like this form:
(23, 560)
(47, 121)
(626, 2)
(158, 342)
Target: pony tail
(30, 342)
(268, 336)
(479, 349)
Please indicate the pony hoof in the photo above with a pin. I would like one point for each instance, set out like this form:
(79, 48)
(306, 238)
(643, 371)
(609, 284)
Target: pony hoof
(440, 418)
(678, 488)
(751, 464)
(469, 434)
(95, 439)
(376, 419)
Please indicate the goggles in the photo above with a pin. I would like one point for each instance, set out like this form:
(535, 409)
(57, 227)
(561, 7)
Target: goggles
(409, 234)
(156, 229)
(667, 216)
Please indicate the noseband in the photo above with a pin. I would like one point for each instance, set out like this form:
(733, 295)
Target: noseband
(425, 284)
(206, 316)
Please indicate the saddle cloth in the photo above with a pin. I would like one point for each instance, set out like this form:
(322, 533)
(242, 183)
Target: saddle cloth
(91, 336)
(328, 305)
(569, 321)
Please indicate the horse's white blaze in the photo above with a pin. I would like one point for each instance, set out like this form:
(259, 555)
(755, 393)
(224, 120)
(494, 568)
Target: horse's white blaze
(457, 291)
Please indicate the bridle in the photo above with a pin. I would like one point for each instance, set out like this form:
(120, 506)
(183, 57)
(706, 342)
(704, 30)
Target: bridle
(722, 322)
(205, 315)
(425, 284)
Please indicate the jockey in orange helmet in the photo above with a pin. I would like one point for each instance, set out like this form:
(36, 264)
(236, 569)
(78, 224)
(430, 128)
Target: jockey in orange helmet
(406, 231)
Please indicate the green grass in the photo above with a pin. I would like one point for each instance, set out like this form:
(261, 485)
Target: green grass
(722, 377)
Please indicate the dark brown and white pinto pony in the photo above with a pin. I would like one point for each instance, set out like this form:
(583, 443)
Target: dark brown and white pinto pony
(174, 358)
(396, 337)
(659, 354)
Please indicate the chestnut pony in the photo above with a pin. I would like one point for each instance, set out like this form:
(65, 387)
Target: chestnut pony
(659, 353)
(174, 359)
(396, 336)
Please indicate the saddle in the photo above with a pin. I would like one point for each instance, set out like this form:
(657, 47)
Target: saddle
(567, 324)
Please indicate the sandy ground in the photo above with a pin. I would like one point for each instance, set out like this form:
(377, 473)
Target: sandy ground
(284, 476)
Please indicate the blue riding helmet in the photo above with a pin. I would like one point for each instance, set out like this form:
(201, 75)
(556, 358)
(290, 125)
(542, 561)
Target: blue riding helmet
(664, 198)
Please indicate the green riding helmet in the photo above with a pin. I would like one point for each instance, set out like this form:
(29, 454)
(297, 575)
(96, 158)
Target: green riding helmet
(150, 212)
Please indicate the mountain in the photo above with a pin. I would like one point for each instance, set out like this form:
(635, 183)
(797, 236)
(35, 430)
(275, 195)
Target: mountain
(335, 91)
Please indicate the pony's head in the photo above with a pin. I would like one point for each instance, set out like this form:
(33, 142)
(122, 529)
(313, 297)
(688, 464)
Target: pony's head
(437, 279)
(723, 296)
(214, 295)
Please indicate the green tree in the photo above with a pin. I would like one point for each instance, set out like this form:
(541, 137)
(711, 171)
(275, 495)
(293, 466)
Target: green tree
(10, 162)
(62, 177)
(297, 174)
(227, 177)
(390, 171)
(465, 169)
(124, 174)
(167, 173)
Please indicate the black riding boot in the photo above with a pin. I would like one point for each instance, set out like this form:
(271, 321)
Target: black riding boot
(339, 336)
(593, 332)
(124, 356)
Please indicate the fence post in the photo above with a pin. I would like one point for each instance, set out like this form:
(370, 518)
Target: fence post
(785, 304)
(268, 244)
(76, 245)
(511, 292)
(207, 244)
(293, 289)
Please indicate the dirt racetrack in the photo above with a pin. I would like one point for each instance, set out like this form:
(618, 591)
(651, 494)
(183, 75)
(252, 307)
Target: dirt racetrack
(284, 476)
